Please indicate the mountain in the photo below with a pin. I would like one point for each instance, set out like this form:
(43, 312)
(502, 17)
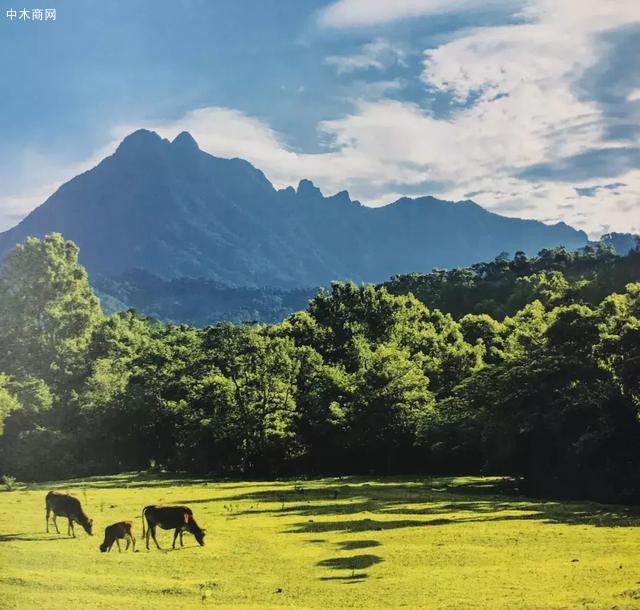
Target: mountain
(174, 211)
(622, 242)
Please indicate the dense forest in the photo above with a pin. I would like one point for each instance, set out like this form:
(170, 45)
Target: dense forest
(504, 286)
(498, 288)
(523, 366)
(196, 301)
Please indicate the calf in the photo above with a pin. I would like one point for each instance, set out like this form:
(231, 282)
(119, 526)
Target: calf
(178, 518)
(116, 532)
(64, 505)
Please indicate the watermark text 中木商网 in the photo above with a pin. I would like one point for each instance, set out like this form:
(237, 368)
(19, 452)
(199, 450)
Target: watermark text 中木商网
(36, 14)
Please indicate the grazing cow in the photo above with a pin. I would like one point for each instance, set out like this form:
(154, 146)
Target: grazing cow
(64, 505)
(116, 532)
(178, 518)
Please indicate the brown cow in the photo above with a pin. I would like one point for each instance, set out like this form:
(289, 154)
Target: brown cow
(64, 505)
(116, 532)
(178, 518)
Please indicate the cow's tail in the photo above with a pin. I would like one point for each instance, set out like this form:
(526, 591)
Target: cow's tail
(144, 511)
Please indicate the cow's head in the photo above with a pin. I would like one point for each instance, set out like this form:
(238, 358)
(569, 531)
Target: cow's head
(104, 547)
(197, 531)
(87, 524)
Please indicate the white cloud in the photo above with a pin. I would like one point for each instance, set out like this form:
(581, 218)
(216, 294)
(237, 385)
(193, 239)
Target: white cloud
(226, 132)
(387, 148)
(378, 54)
(358, 13)
(520, 84)
(29, 188)
(374, 90)
(522, 110)
(526, 109)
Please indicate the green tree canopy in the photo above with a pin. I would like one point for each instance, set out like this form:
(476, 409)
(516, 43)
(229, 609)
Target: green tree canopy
(47, 311)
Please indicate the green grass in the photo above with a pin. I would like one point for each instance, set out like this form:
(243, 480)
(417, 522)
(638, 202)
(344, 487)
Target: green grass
(330, 543)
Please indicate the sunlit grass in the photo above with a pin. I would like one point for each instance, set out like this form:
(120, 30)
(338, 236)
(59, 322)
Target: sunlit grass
(332, 543)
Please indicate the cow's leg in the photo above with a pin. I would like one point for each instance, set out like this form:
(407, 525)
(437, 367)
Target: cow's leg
(118, 543)
(175, 535)
(133, 542)
(73, 531)
(47, 519)
(55, 523)
(153, 535)
(181, 535)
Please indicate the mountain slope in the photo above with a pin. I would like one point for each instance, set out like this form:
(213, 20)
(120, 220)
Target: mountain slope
(198, 302)
(175, 211)
(622, 242)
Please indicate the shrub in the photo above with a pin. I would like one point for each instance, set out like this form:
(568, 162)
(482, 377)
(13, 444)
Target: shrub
(9, 482)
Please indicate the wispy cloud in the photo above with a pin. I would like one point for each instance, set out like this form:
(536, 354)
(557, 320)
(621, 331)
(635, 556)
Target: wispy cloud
(360, 13)
(529, 128)
(591, 191)
(378, 55)
(31, 188)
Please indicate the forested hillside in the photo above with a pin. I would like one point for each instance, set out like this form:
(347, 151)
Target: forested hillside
(504, 286)
(547, 388)
(197, 301)
(499, 288)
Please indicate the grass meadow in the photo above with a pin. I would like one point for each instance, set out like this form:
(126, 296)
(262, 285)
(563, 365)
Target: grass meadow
(330, 543)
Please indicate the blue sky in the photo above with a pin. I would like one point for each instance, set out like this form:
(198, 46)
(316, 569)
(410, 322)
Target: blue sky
(530, 107)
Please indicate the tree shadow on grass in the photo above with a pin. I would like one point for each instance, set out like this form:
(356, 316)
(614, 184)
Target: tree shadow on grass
(353, 545)
(308, 508)
(125, 480)
(31, 537)
(352, 579)
(353, 563)
(488, 499)
(451, 500)
(372, 493)
(356, 562)
(186, 547)
(552, 515)
(353, 525)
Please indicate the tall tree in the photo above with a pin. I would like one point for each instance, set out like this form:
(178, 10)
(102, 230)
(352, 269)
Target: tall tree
(47, 312)
(8, 402)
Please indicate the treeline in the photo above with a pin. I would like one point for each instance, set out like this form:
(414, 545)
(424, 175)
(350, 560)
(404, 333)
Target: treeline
(505, 285)
(363, 381)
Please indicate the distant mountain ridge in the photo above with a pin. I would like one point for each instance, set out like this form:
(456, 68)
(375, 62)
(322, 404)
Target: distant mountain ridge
(198, 302)
(174, 211)
(622, 243)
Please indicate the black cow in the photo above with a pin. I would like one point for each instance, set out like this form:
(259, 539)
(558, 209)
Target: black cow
(116, 532)
(178, 518)
(64, 505)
